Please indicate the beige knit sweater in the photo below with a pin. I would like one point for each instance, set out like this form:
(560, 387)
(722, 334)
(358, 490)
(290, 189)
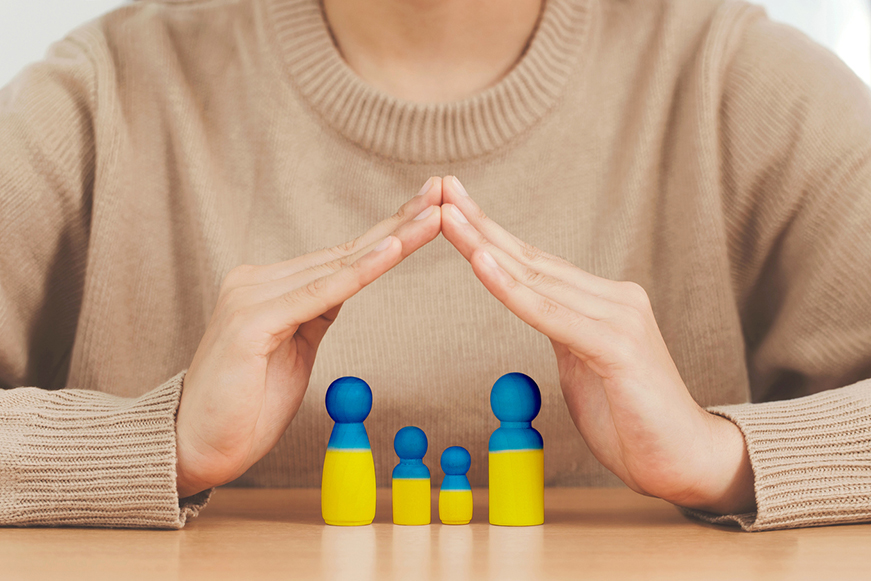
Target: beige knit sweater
(718, 159)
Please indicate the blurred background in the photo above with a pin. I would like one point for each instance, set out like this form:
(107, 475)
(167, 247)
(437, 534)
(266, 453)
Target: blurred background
(27, 27)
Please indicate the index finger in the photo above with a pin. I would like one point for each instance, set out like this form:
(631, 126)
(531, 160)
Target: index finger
(429, 195)
(281, 315)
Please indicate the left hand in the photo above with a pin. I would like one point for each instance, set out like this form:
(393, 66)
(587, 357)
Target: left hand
(621, 386)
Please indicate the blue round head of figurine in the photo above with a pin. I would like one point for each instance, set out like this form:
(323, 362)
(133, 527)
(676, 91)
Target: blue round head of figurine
(515, 397)
(456, 461)
(349, 400)
(410, 443)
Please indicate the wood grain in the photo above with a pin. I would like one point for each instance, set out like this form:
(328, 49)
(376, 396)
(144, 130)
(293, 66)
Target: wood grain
(588, 534)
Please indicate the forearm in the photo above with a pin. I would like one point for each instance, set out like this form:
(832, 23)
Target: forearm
(84, 458)
(810, 457)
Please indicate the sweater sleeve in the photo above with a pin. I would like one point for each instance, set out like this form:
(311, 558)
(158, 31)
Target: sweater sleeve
(796, 147)
(86, 458)
(67, 456)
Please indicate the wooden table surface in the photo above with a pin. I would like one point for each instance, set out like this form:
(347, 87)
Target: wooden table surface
(588, 534)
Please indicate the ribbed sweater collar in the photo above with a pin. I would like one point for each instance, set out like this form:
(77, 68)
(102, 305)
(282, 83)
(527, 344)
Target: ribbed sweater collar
(430, 133)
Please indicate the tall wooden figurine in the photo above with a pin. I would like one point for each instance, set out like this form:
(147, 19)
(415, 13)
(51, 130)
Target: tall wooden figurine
(516, 453)
(348, 485)
(412, 495)
(455, 496)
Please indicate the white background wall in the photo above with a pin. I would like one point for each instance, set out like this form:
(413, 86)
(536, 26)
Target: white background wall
(27, 27)
(842, 25)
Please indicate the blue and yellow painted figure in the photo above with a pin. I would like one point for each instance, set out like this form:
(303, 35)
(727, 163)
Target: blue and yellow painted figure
(412, 496)
(516, 453)
(455, 496)
(348, 485)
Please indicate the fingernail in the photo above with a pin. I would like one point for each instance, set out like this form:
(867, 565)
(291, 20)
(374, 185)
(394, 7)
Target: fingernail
(424, 214)
(488, 260)
(425, 187)
(459, 187)
(383, 245)
(459, 215)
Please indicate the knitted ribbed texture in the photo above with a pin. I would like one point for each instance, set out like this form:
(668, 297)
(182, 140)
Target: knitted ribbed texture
(811, 459)
(430, 133)
(721, 161)
(85, 458)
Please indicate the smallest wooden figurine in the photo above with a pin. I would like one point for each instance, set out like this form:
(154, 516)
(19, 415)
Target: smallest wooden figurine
(455, 496)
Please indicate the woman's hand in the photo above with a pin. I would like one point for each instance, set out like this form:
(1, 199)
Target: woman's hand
(619, 381)
(252, 367)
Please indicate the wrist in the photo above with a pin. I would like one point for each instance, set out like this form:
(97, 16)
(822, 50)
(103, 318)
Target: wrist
(726, 484)
(185, 484)
(186, 489)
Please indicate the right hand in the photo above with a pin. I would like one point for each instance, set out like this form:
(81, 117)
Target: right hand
(253, 364)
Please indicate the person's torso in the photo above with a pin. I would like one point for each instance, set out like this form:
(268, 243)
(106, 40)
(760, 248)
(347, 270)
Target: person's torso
(221, 162)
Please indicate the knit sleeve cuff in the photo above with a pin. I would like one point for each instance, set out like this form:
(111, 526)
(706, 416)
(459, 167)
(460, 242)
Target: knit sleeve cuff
(811, 459)
(85, 458)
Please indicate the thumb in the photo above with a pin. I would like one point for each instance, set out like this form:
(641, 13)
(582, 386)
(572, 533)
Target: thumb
(561, 351)
(312, 332)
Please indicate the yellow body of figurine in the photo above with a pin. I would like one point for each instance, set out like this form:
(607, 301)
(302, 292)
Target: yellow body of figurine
(412, 498)
(517, 487)
(348, 488)
(455, 507)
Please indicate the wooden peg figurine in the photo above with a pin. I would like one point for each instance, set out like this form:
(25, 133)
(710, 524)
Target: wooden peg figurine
(516, 453)
(348, 484)
(455, 496)
(412, 496)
